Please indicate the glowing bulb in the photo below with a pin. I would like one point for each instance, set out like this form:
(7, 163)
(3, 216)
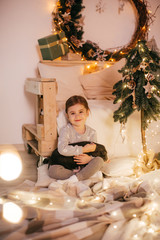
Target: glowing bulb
(97, 198)
(135, 236)
(107, 66)
(151, 230)
(142, 223)
(114, 213)
(10, 166)
(12, 212)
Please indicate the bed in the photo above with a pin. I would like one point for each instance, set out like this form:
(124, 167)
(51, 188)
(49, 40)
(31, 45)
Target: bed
(117, 205)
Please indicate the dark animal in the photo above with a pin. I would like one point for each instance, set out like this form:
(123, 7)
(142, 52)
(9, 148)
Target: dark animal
(68, 161)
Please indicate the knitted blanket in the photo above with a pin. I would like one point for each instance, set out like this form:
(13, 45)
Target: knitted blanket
(117, 208)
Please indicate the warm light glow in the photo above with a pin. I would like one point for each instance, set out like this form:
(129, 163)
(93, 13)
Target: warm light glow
(12, 212)
(51, 7)
(10, 166)
(107, 65)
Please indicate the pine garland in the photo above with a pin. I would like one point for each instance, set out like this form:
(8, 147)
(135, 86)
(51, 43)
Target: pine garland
(68, 18)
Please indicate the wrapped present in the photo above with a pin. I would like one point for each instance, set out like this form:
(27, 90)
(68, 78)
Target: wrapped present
(53, 46)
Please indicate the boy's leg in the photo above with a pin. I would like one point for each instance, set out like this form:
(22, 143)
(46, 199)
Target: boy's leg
(90, 169)
(59, 172)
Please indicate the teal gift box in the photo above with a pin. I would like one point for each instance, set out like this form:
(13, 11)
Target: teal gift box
(53, 46)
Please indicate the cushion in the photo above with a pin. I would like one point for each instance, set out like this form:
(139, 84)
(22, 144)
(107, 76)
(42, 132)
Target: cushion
(43, 177)
(120, 166)
(99, 85)
(66, 77)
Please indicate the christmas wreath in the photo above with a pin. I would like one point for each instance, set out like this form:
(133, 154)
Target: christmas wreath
(68, 17)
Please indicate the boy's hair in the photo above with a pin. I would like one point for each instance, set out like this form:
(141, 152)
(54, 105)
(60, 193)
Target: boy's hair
(75, 100)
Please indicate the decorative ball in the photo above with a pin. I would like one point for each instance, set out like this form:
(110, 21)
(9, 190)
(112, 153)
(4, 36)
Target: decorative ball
(134, 106)
(131, 84)
(149, 95)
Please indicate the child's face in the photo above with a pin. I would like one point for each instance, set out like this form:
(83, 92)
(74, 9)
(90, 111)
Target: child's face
(77, 115)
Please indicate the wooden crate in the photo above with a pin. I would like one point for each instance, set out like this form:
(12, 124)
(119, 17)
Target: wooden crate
(42, 136)
(40, 146)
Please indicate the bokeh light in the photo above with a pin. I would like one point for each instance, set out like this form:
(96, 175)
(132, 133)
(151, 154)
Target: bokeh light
(12, 212)
(10, 165)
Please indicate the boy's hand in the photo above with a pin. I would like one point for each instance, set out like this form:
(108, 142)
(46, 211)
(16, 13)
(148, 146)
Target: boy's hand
(82, 159)
(91, 147)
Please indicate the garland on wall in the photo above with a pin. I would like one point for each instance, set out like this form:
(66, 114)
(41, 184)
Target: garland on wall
(67, 17)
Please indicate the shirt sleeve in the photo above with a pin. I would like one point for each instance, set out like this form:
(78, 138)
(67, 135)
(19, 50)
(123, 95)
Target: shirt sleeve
(93, 135)
(63, 144)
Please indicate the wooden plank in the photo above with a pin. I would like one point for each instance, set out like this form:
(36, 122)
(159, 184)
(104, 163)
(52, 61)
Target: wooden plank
(40, 130)
(49, 111)
(59, 62)
(34, 85)
(31, 128)
(26, 134)
(45, 148)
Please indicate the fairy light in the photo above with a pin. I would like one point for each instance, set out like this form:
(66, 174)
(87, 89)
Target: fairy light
(88, 66)
(32, 200)
(107, 66)
(142, 223)
(151, 230)
(115, 226)
(114, 213)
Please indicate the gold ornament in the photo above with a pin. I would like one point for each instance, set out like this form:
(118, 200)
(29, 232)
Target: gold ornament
(134, 106)
(149, 95)
(131, 84)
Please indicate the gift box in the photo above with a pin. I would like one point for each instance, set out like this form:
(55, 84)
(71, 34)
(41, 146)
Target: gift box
(53, 46)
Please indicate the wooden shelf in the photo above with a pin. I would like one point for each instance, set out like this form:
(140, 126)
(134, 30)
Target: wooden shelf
(59, 62)
(42, 136)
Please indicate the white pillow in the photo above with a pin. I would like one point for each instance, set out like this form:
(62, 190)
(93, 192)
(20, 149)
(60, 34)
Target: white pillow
(99, 85)
(120, 166)
(67, 79)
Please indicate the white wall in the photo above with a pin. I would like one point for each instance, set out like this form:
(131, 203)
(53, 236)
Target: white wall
(22, 22)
